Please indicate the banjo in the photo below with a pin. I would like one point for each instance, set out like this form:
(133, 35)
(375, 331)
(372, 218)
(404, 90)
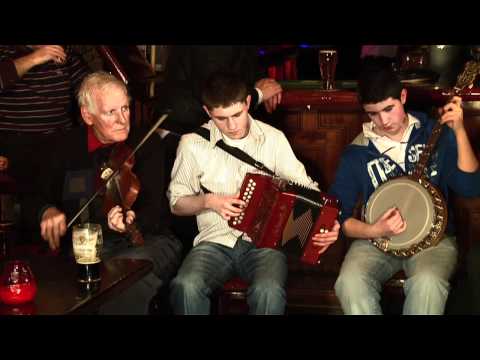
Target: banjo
(421, 204)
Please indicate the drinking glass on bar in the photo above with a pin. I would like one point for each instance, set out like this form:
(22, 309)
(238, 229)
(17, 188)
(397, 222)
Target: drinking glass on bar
(327, 60)
(17, 283)
(87, 242)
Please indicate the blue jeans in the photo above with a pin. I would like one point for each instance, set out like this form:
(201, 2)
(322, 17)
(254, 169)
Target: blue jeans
(164, 251)
(365, 269)
(209, 265)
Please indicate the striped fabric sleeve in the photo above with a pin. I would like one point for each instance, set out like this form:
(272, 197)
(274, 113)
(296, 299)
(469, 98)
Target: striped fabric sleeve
(78, 69)
(8, 74)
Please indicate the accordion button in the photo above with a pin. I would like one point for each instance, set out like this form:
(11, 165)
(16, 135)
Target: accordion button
(234, 223)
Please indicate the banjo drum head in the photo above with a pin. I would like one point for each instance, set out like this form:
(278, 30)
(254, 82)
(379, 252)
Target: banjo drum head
(414, 203)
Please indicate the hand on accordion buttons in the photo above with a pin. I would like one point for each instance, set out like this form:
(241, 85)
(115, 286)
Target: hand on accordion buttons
(226, 206)
(328, 238)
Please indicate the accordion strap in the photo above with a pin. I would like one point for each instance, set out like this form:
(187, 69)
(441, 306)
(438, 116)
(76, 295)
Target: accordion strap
(234, 151)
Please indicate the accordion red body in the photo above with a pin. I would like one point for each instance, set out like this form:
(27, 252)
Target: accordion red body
(280, 214)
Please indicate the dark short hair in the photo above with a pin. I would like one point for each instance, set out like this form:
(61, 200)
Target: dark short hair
(378, 81)
(223, 89)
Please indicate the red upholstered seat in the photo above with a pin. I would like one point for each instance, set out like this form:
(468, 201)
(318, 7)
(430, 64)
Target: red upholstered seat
(235, 284)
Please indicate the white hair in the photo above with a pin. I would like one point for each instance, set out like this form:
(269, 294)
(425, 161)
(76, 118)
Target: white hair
(98, 80)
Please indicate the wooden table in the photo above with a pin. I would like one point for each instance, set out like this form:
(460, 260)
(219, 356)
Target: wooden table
(60, 293)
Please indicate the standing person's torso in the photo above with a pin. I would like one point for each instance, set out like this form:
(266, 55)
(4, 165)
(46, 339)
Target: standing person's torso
(43, 99)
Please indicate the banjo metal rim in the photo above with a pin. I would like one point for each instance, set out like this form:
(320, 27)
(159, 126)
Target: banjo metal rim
(437, 229)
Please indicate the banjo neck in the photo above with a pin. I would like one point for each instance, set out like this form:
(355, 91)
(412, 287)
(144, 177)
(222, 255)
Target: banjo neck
(419, 171)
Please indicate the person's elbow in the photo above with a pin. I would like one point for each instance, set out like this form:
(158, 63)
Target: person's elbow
(175, 210)
(177, 207)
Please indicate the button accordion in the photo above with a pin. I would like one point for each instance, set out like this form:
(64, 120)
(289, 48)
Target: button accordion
(280, 214)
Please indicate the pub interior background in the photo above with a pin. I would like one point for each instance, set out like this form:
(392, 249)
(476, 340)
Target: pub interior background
(432, 66)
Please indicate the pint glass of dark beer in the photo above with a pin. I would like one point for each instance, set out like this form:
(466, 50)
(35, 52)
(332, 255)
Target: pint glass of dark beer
(327, 61)
(87, 242)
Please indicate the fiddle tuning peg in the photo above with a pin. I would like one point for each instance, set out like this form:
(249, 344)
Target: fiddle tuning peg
(106, 173)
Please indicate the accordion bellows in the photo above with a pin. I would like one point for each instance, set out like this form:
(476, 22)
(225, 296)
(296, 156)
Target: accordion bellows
(281, 214)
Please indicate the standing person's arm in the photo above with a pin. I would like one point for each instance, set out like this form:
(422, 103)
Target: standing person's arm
(262, 89)
(41, 55)
(11, 70)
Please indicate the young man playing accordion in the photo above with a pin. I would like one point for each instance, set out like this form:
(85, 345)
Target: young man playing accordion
(221, 252)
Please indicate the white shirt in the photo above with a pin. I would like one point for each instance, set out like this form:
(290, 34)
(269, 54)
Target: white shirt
(394, 149)
(200, 162)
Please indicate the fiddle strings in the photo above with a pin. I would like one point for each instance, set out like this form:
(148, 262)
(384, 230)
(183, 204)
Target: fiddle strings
(114, 173)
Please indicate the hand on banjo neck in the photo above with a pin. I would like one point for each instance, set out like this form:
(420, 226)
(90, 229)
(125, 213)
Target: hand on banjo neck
(448, 115)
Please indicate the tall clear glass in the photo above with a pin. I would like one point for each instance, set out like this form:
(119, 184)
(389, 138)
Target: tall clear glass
(327, 61)
(87, 240)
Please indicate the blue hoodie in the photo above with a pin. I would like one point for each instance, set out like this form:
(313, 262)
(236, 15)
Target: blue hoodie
(363, 168)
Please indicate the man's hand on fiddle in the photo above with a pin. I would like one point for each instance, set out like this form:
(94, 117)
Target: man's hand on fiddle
(115, 219)
(3, 163)
(324, 240)
(226, 206)
(53, 226)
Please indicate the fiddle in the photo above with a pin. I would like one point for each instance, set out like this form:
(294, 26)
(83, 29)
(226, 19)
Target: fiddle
(111, 173)
(123, 188)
